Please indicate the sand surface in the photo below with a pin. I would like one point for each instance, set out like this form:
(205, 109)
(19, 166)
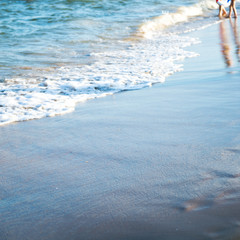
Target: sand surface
(158, 163)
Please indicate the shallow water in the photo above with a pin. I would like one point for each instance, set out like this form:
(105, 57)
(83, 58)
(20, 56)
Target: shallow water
(48, 33)
(55, 54)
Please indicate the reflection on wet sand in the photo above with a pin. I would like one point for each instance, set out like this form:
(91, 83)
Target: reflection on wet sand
(224, 42)
(234, 26)
(225, 48)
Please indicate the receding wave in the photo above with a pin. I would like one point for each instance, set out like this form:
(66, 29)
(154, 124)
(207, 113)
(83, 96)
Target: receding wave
(183, 14)
(37, 92)
(57, 92)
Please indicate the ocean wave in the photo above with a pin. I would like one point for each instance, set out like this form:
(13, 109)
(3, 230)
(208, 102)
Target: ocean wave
(183, 14)
(102, 67)
(57, 92)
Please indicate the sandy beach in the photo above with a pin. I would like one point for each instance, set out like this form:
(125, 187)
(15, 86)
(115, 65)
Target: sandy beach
(156, 163)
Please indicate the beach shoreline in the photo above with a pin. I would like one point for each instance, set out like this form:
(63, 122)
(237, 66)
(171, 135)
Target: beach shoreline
(156, 163)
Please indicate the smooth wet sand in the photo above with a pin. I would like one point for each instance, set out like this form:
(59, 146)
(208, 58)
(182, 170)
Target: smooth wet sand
(158, 163)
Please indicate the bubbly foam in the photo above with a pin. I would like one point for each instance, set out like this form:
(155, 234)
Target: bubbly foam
(183, 14)
(150, 59)
(57, 92)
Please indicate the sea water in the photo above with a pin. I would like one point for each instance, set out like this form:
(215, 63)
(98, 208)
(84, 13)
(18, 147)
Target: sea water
(55, 54)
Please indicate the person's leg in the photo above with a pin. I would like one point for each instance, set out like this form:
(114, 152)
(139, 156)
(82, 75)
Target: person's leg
(224, 12)
(220, 11)
(233, 8)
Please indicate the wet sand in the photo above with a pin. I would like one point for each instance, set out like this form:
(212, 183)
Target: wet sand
(158, 163)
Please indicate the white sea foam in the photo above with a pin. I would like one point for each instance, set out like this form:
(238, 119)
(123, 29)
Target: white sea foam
(140, 65)
(145, 61)
(183, 14)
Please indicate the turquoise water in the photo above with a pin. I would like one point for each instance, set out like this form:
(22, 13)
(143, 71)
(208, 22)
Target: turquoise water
(47, 33)
(57, 53)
